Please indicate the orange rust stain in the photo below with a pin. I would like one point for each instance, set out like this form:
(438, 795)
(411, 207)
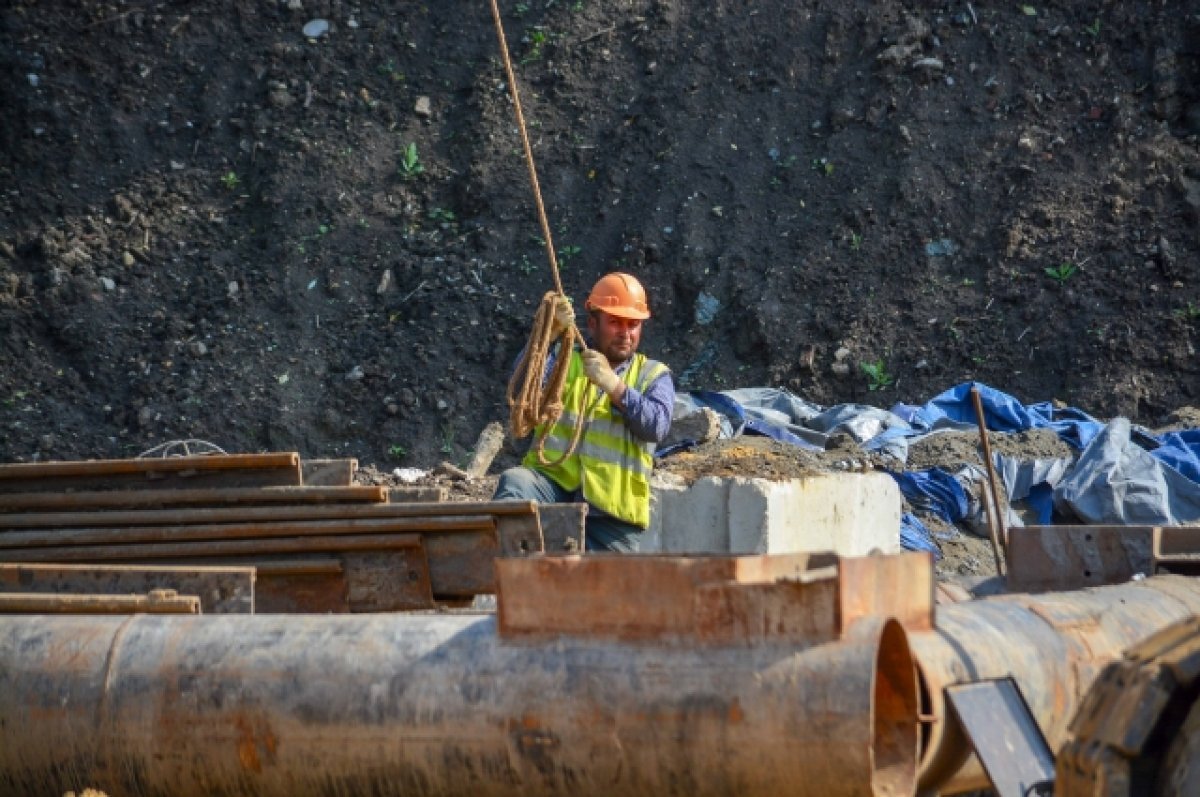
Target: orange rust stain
(247, 749)
(736, 715)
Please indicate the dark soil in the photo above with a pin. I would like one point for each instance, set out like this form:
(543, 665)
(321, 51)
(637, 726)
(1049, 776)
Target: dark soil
(209, 228)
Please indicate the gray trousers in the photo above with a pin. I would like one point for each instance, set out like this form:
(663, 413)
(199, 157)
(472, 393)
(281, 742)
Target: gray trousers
(602, 532)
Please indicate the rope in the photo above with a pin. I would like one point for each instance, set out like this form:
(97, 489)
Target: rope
(531, 405)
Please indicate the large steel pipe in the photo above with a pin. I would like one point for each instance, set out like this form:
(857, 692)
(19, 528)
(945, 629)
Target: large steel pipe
(1053, 645)
(438, 704)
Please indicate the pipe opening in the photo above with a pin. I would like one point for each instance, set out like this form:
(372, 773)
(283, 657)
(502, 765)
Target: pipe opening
(894, 725)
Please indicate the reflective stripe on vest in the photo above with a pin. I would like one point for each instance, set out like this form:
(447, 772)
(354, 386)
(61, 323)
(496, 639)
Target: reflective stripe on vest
(611, 465)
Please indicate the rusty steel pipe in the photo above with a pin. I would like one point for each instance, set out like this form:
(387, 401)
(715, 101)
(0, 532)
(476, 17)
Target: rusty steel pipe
(1053, 645)
(21, 471)
(439, 704)
(157, 602)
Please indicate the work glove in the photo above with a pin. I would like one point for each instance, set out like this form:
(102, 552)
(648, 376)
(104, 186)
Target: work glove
(599, 372)
(564, 314)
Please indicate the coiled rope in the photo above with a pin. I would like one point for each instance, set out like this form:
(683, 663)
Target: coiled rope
(529, 403)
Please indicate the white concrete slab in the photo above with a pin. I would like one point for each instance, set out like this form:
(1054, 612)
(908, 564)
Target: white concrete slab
(850, 514)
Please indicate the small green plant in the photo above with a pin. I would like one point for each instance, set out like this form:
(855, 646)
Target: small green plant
(856, 241)
(1029, 11)
(1189, 313)
(397, 451)
(565, 254)
(520, 10)
(442, 216)
(447, 439)
(877, 376)
(1093, 30)
(230, 180)
(410, 162)
(823, 165)
(1062, 272)
(537, 39)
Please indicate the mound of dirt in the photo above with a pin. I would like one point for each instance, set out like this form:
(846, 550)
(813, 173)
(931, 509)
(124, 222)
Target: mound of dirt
(308, 225)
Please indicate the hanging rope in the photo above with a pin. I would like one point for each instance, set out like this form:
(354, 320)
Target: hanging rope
(529, 403)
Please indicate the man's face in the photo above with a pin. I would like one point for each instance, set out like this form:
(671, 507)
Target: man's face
(617, 338)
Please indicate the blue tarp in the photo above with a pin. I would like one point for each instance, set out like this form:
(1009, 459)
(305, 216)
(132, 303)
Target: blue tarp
(1123, 474)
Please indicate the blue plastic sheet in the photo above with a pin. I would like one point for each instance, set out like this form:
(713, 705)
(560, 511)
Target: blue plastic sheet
(1181, 451)
(915, 536)
(934, 491)
(1003, 413)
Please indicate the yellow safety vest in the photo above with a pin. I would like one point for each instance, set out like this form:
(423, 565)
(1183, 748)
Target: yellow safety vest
(612, 464)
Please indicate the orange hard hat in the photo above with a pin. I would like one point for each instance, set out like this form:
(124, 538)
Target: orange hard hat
(620, 295)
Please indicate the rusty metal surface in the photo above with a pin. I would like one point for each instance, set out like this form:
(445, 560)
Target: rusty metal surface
(1122, 732)
(563, 527)
(222, 590)
(438, 704)
(225, 470)
(182, 496)
(159, 601)
(214, 548)
(1176, 550)
(1045, 558)
(1005, 737)
(795, 599)
(328, 472)
(1053, 645)
(519, 535)
(414, 513)
(56, 539)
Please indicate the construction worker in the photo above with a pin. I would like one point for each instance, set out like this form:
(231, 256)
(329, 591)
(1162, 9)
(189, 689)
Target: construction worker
(634, 398)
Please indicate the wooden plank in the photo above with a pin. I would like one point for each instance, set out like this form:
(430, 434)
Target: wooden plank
(221, 590)
(1051, 558)
(222, 470)
(328, 472)
(563, 527)
(156, 602)
(25, 541)
(182, 497)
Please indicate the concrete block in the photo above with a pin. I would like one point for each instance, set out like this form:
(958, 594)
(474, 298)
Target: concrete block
(850, 514)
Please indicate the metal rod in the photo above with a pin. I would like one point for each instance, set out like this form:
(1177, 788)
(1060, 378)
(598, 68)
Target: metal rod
(164, 602)
(103, 467)
(248, 514)
(133, 499)
(996, 529)
(213, 548)
(32, 541)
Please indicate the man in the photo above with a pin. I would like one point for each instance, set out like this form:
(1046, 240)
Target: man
(633, 398)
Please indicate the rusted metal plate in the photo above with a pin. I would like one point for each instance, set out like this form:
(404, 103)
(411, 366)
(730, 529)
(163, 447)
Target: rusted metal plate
(460, 565)
(563, 527)
(328, 472)
(1005, 736)
(1048, 558)
(797, 613)
(182, 497)
(223, 470)
(1176, 550)
(221, 590)
(388, 581)
(163, 601)
(899, 586)
(416, 495)
(519, 535)
(649, 597)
